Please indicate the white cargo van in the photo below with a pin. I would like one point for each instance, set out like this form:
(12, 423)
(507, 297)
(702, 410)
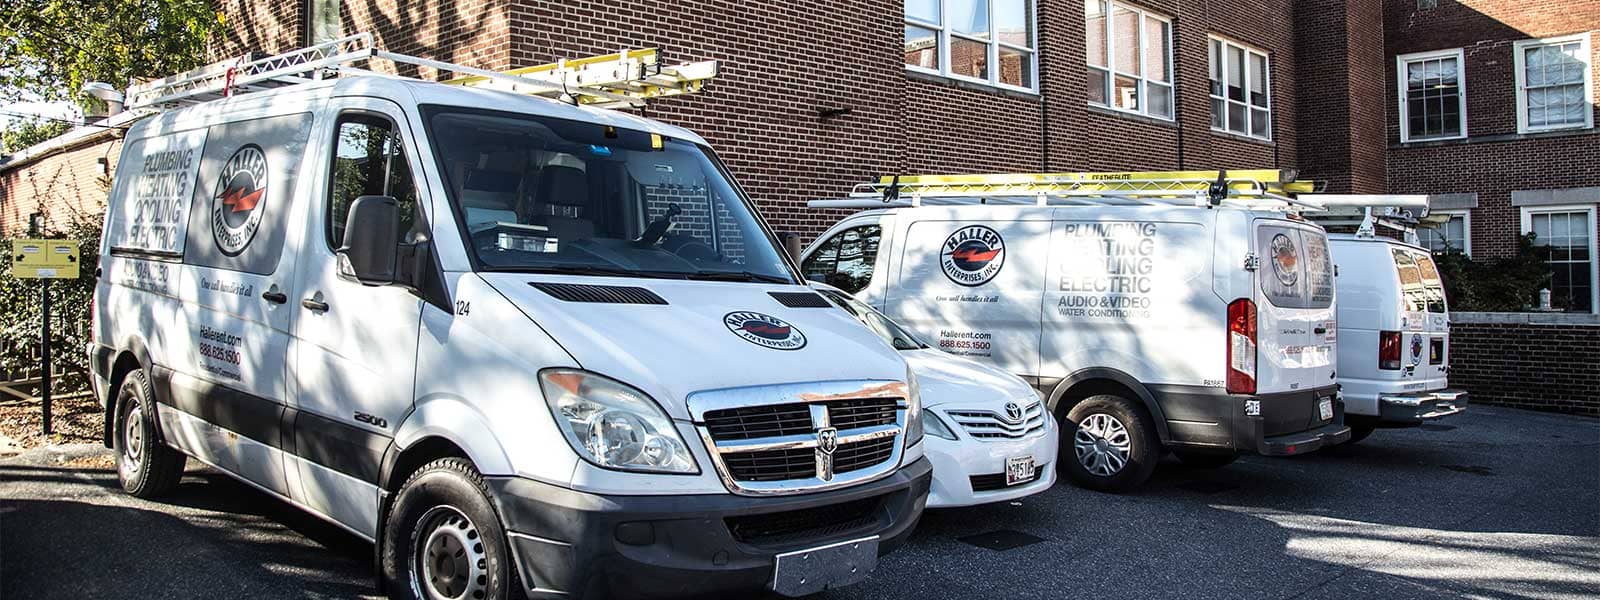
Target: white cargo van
(1151, 310)
(1394, 318)
(522, 346)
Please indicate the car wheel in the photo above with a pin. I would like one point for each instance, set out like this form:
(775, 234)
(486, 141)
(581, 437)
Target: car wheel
(443, 539)
(146, 467)
(1111, 445)
(1205, 460)
(1360, 432)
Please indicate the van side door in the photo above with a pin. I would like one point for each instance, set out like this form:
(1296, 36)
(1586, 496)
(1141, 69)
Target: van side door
(354, 345)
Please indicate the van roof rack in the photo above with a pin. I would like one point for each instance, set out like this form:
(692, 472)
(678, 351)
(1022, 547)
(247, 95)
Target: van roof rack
(1404, 213)
(1258, 189)
(628, 78)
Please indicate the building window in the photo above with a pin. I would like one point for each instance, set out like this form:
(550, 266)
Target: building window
(1569, 232)
(322, 21)
(964, 38)
(1453, 234)
(1129, 51)
(1241, 96)
(1554, 84)
(1433, 96)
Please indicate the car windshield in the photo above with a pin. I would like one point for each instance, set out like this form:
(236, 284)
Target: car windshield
(551, 195)
(887, 329)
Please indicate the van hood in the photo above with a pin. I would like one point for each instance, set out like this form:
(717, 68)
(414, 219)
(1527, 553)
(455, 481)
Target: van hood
(708, 336)
(946, 379)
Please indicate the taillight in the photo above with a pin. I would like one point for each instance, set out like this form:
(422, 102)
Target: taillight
(1389, 350)
(1242, 347)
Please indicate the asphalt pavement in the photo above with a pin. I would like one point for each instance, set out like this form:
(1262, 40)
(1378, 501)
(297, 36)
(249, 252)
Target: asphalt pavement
(1496, 503)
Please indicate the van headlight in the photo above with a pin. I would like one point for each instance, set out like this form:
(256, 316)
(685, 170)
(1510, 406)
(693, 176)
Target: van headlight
(614, 425)
(913, 410)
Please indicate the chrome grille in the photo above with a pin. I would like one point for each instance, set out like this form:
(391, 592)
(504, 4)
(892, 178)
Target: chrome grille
(833, 440)
(991, 425)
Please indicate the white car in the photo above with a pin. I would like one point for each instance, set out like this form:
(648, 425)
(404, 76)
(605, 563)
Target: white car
(987, 432)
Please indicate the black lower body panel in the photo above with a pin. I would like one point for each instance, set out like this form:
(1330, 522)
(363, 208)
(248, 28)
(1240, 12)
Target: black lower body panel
(1274, 424)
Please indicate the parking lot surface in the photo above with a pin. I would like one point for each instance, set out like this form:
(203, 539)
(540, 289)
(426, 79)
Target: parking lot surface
(1496, 503)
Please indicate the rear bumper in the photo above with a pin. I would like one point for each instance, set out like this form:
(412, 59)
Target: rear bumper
(1273, 424)
(1413, 409)
(570, 544)
(1304, 441)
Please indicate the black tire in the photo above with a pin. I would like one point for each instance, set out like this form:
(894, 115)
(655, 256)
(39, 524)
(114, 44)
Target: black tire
(1359, 432)
(1205, 460)
(146, 467)
(443, 508)
(1143, 446)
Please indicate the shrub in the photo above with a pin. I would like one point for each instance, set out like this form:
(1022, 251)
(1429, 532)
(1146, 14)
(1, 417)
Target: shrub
(69, 311)
(1509, 284)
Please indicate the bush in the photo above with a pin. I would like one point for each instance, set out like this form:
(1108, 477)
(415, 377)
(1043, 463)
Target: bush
(1499, 285)
(69, 311)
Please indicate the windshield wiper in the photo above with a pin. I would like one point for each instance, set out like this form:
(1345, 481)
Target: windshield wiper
(736, 276)
(600, 271)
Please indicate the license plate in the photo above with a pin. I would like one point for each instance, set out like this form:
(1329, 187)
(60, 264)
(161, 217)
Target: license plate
(1325, 408)
(805, 572)
(1019, 470)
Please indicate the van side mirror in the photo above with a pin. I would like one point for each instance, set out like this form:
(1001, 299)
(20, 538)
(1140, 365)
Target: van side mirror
(371, 250)
(791, 244)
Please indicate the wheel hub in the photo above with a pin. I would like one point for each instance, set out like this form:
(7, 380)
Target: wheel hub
(450, 556)
(1102, 444)
(133, 438)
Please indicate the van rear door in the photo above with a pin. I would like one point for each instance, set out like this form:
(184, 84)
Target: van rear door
(1427, 331)
(1296, 327)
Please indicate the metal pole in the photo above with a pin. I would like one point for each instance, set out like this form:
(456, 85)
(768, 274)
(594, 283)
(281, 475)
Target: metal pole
(44, 352)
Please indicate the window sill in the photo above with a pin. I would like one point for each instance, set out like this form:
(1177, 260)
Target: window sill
(971, 85)
(1132, 116)
(1497, 138)
(1225, 134)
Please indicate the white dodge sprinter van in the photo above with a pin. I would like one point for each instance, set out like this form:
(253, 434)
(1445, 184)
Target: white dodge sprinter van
(514, 342)
(1147, 323)
(1394, 335)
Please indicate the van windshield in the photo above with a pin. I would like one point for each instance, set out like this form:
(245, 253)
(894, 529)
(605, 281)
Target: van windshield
(545, 195)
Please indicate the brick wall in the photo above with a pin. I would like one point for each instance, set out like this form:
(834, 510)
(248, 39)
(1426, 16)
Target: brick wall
(1506, 360)
(1339, 45)
(62, 186)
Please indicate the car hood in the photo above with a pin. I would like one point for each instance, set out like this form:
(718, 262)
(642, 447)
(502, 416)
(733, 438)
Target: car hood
(945, 378)
(672, 350)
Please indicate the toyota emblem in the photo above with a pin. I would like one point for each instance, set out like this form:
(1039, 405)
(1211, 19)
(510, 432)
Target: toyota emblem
(1013, 412)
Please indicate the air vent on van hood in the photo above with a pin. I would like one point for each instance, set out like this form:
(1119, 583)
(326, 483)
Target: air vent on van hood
(602, 294)
(801, 299)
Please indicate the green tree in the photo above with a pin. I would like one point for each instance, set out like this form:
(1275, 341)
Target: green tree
(50, 48)
(21, 134)
(1504, 284)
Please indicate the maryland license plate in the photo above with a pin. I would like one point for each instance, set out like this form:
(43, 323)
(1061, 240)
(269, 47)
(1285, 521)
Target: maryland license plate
(1019, 470)
(805, 572)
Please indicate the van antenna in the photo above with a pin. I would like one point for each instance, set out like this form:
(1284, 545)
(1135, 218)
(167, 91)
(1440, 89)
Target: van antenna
(1219, 188)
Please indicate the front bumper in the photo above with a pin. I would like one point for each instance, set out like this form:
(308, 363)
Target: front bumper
(570, 544)
(956, 463)
(1413, 409)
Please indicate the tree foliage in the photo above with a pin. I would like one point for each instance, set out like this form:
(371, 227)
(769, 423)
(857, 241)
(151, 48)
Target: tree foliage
(50, 48)
(1496, 285)
(23, 133)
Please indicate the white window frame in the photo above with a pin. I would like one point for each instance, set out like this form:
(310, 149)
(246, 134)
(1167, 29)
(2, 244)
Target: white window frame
(1249, 74)
(944, 36)
(1466, 226)
(1461, 97)
(1594, 261)
(1519, 50)
(1111, 68)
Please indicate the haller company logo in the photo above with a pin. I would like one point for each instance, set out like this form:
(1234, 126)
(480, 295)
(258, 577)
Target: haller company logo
(764, 330)
(1285, 260)
(239, 203)
(972, 255)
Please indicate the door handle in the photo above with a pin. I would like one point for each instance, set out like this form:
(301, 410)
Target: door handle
(1320, 330)
(275, 297)
(315, 303)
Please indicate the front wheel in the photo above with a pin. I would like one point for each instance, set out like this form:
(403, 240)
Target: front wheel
(443, 539)
(1113, 445)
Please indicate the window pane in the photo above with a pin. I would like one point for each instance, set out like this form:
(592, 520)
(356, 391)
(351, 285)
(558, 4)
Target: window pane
(821, 265)
(1433, 100)
(1097, 86)
(1125, 40)
(369, 162)
(922, 47)
(1260, 123)
(1236, 117)
(969, 16)
(1258, 80)
(1217, 112)
(1125, 92)
(1013, 22)
(1216, 67)
(969, 58)
(1155, 49)
(926, 11)
(1094, 14)
(324, 20)
(858, 251)
(1235, 73)
(1016, 67)
(1160, 96)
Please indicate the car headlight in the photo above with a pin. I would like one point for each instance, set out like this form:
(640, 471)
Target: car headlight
(913, 410)
(614, 425)
(935, 426)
